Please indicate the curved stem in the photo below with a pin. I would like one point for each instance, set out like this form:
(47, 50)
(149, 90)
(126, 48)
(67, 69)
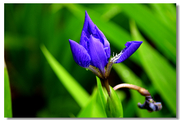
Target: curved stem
(142, 91)
(149, 103)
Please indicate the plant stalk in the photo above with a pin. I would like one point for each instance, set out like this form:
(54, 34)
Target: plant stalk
(141, 90)
(106, 84)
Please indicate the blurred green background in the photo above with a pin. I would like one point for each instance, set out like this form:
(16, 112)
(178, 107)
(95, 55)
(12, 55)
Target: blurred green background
(35, 88)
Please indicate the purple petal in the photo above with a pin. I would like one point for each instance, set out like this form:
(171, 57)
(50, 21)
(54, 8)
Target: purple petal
(89, 26)
(100, 35)
(97, 53)
(131, 47)
(84, 40)
(80, 54)
(104, 41)
(108, 52)
(152, 106)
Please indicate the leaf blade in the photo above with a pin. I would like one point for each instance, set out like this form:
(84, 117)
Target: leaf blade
(114, 106)
(162, 75)
(165, 39)
(101, 94)
(73, 87)
(7, 95)
(93, 108)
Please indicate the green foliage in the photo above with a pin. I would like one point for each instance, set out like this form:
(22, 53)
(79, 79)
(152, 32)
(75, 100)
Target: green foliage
(78, 93)
(94, 108)
(129, 77)
(164, 40)
(152, 66)
(97, 106)
(102, 96)
(114, 107)
(154, 62)
(7, 95)
(101, 105)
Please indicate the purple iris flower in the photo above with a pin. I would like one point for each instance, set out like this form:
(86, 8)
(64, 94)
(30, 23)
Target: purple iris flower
(94, 49)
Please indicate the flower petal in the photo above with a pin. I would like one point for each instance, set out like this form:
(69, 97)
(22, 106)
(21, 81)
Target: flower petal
(131, 47)
(108, 52)
(100, 35)
(84, 40)
(89, 26)
(104, 41)
(97, 53)
(80, 54)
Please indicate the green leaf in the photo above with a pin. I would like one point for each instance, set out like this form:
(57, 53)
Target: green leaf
(93, 108)
(121, 95)
(111, 12)
(101, 105)
(165, 14)
(160, 34)
(114, 106)
(7, 95)
(161, 73)
(128, 110)
(102, 95)
(97, 104)
(78, 93)
(129, 77)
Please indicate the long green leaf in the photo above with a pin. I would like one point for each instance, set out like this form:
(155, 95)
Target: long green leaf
(102, 96)
(165, 15)
(128, 111)
(93, 108)
(160, 34)
(161, 73)
(96, 106)
(112, 11)
(7, 95)
(77, 92)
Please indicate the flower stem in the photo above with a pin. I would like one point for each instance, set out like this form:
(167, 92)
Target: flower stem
(142, 91)
(95, 71)
(108, 70)
(149, 103)
(106, 84)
